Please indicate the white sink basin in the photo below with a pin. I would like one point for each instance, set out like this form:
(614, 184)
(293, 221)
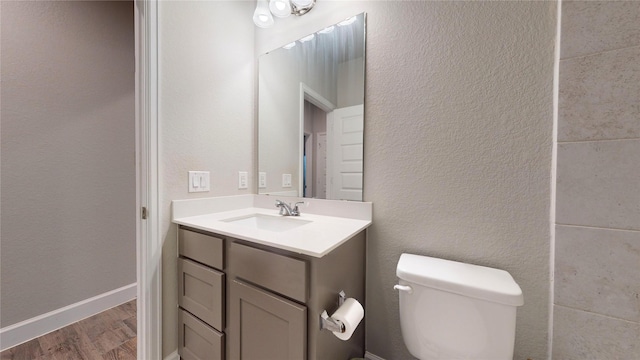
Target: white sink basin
(267, 222)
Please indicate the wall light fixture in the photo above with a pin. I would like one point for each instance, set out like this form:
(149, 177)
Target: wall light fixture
(267, 9)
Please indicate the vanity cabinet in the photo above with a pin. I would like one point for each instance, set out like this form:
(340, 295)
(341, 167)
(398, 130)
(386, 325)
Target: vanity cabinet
(240, 300)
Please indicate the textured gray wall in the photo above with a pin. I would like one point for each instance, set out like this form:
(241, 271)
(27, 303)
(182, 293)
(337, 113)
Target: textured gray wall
(597, 243)
(458, 131)
(68, 172)
(206, 115)
(458, 143)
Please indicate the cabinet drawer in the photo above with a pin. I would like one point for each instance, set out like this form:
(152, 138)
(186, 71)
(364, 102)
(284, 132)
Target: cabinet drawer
(197, 341)
(201, 292)
(202, 248)
(279, 273)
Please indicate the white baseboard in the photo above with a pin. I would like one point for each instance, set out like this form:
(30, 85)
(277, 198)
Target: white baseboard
(173, 356)
(29, 329)
(370, 356)
(367, 355)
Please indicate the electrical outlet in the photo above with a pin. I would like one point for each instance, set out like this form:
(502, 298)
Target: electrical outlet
(199, 181)
(262, 180)
(243, 180)
(286, 180)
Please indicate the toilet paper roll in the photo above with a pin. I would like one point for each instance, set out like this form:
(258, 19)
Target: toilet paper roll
(350, 313)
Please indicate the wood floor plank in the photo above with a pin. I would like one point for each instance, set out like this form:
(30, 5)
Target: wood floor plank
(132, 323)
(85, 346)
(28, 350)
(110, 340)
(58, 341)
(108, 335)
(69, 352)
(126, 351)
(131, 308)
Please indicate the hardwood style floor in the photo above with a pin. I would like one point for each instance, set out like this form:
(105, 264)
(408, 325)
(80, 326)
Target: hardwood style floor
(110, 335)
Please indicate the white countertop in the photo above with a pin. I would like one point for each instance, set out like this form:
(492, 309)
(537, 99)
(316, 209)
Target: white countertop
(317, 238)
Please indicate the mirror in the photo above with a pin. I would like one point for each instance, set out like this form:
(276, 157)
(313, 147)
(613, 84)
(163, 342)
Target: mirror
(311, 115)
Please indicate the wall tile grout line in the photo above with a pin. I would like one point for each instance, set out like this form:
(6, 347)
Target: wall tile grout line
(602, 140)
(599, 52)
(597, 227)
(598, 314)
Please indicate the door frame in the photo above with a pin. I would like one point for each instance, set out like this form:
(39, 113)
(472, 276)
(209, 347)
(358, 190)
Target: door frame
(148, 245)
(308, 171)
(320, 134)
(312, 96)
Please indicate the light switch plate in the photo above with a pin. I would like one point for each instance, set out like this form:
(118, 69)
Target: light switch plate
(262, 180)
(243, 180)
(286, 180)
(199, 181)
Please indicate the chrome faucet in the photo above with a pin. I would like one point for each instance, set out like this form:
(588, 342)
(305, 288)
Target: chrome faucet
(286, 210)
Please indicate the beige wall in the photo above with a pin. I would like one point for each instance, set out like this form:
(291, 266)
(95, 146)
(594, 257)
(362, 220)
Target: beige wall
(458, 142)
(597, 260)
(206, 114)
(68, 171)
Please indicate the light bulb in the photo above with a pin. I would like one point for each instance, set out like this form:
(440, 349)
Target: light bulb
(262, 16)
(280, 8)
(327, 30)
(307, 38)
(349, 21)
(289, 45)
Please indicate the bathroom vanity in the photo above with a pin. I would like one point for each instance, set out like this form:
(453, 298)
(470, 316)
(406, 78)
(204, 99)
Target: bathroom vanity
(246, 293)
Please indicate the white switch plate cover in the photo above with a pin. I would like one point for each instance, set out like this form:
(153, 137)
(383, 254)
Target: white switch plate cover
(199, 181)
(243, 180)
(286, 180)
(262, 180)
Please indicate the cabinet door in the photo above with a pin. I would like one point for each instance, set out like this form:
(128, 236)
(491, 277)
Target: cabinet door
(264, 326)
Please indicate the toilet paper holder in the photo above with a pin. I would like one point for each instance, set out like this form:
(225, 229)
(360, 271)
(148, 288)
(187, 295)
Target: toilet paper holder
(329, 323)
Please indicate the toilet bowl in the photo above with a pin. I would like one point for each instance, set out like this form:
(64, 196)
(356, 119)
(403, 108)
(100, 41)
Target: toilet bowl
(453, 311)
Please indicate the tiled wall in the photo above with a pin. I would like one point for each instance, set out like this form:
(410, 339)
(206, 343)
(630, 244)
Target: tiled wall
(597, 261)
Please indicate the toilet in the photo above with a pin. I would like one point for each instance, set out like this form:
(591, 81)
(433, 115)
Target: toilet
(453, 311)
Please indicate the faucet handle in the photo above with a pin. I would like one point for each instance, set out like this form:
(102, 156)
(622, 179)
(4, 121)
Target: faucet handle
(296, 210)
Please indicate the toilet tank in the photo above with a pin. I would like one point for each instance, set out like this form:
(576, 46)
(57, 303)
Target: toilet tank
(454, 310)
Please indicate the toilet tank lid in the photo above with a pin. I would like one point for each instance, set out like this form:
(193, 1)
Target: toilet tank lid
(465, 279)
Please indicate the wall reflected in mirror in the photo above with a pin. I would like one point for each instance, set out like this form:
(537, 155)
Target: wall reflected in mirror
(311, 115)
